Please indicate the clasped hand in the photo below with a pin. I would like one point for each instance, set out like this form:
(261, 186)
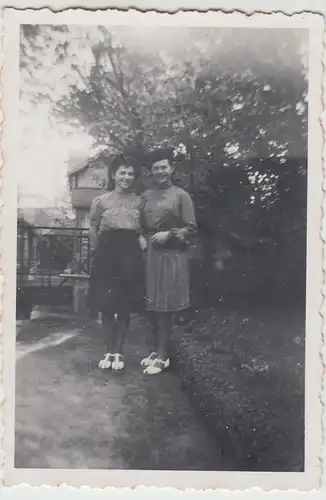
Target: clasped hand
(143, 242)
(160, 237)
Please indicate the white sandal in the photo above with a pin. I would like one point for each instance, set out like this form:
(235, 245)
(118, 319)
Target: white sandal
(149, 360)
(106, 362)
(118, 363)
(157, 366)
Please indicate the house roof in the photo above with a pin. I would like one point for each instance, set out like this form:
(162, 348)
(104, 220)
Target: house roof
(80, 162)
(42, 217)
(77, 163)
(22, 222)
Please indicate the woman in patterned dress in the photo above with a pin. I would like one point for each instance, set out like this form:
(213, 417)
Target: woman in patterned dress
(117, 280)
(168, 220)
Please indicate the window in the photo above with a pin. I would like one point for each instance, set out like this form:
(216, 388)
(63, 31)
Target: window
(75, 181)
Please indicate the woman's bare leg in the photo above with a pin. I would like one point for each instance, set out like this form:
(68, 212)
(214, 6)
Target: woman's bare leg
(164, 334)
(109, 327)
(154, 320)
(123, 322)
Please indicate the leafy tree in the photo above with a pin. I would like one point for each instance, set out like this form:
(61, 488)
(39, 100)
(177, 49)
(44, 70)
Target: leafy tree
(233, 104)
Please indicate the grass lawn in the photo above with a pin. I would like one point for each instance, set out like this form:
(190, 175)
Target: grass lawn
(244, 370)
(70, 414)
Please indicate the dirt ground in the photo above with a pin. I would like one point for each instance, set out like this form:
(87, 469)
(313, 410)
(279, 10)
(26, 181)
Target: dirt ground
(71, 414)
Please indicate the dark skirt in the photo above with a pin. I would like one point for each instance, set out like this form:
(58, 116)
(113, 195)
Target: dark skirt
(117, 274)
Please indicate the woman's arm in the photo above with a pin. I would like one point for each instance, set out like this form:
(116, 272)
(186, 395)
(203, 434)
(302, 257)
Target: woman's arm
(95, 218)
(142, 240)
(187, 212)
(142, 221)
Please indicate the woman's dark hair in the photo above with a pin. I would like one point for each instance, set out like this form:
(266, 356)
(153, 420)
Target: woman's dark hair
(158, 155)
(117, 162)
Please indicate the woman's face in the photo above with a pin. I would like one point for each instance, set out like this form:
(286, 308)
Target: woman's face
(124, 177)
(162, 171)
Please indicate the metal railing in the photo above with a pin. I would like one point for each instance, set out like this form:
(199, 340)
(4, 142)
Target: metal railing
(45, 253)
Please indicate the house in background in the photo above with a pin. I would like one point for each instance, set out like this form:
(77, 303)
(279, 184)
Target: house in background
(45, 239)
(25, 234)
(88, 179)
(45, 217)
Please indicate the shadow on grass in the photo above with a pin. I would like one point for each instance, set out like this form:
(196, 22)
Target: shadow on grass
(244, 371)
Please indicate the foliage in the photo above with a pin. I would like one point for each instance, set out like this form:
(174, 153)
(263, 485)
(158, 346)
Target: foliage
(233, 105)
(243, 368)
(206, 89)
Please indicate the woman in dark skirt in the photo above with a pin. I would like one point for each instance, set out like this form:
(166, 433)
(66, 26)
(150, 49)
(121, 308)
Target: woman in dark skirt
(117, 281)
(168, 220)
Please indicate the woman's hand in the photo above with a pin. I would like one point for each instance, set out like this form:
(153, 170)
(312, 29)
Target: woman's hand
(143, 242)
(161, 237)
(179, 233)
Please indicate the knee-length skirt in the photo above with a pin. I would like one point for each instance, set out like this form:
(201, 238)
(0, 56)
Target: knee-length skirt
(167, 279)
(117, 283)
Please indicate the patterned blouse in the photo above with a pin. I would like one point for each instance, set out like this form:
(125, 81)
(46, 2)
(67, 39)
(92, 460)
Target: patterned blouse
(168, 208)
(114, 210)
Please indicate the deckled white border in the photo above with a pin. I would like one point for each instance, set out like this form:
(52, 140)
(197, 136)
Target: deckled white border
(323, 305)
(191, 479)
(1, 266)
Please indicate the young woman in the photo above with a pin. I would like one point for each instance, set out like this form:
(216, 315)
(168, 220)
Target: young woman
(167, 219)
(116, 283)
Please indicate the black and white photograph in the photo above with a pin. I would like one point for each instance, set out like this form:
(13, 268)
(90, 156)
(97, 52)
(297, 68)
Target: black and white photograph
(161, 252)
